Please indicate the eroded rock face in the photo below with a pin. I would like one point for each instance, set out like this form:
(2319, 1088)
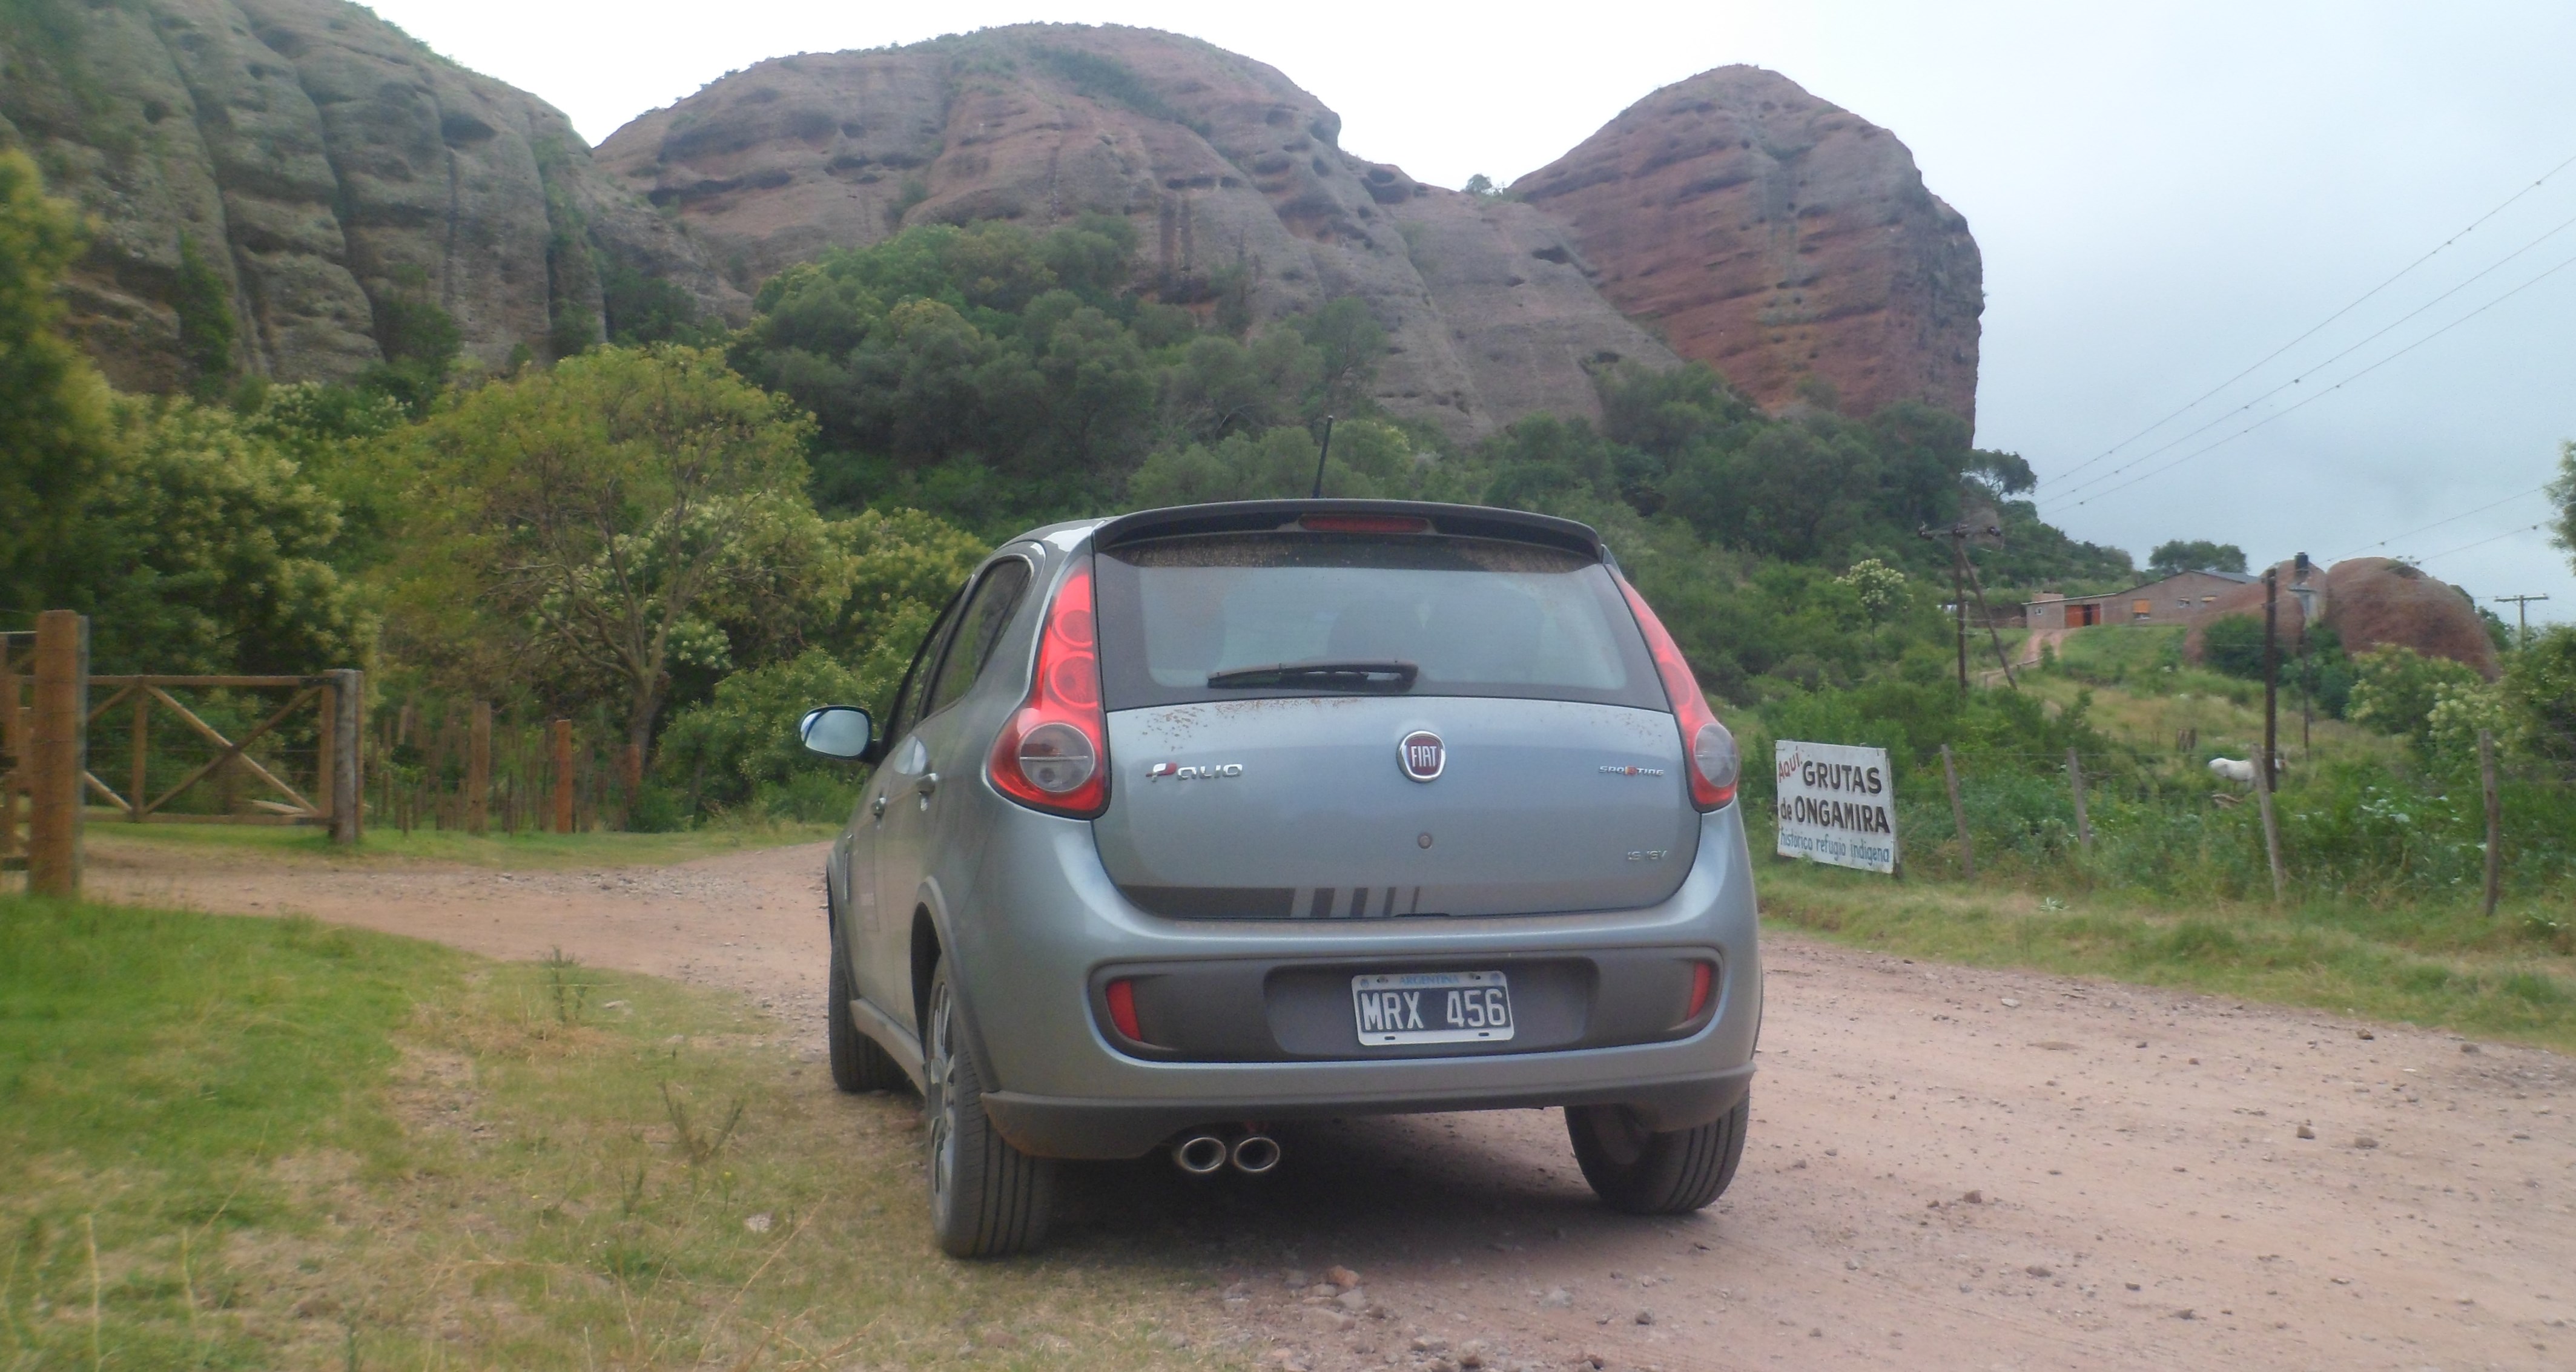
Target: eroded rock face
(1225, 167)
(1776, 237)
(319, 164)
(2370, 602)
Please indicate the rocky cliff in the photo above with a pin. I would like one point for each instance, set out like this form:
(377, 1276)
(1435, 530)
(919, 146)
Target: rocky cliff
(1777, 238)
(307, 170)
(1231, 173)
(309, 174)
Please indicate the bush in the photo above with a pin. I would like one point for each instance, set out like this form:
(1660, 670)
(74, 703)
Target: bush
(2234, 644)
(742, 745)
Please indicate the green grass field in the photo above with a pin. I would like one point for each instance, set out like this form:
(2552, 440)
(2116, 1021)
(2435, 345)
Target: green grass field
(2442, 966)
(510, 851)
(252, 1143)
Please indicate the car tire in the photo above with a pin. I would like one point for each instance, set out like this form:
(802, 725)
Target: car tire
(987, 1198)
(1643, 1172)
(858, 1064)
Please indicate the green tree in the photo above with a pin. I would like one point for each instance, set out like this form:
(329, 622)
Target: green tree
(623, 514)
(2540, 690)
(204, 305)
(2563, 491)
(2398, 688)
(55, 433)
(2233, 644)
(903, 566)
(2195, 555)
(205, 550)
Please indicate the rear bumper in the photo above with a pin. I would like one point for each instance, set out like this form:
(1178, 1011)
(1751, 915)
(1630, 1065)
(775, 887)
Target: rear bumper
(1067, 1127)
(1032, 921)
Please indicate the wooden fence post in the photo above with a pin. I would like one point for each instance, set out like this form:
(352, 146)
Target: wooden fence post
(2083, 821)
(2495, 820)
(326, 750)
(348, 742)
(1959, 816)
(141, 779)
(58, 754)
(2271, 832)
(478, 770)
(563, 775)
(13, 747)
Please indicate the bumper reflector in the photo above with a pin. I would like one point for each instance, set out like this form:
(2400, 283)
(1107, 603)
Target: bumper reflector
(1703, 980)
(1122, 1009)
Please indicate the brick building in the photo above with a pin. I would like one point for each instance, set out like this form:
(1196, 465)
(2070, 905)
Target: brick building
(2177, 599)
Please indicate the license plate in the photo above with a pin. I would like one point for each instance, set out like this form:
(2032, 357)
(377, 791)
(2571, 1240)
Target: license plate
(1432, 1007)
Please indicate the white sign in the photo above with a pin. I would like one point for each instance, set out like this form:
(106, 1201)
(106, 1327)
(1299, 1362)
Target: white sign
(1837, 804)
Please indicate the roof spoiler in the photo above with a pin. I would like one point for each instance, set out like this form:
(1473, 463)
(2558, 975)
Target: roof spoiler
(1263, 516)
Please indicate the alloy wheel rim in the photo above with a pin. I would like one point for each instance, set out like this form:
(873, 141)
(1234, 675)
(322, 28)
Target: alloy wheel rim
(935, 1073)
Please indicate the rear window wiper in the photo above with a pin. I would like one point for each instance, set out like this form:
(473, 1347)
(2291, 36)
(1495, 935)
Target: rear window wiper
(1389, 678)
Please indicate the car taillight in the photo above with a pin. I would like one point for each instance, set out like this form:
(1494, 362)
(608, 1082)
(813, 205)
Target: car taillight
(1714, 765)
(1054, 754)
(1703, 980)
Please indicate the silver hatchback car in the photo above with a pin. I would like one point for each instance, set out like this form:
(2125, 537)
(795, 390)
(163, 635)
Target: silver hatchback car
(1203, 818)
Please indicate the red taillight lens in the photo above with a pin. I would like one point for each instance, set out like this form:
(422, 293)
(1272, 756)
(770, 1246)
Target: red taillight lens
(1054, 754)
(1122, 1009)
(1703, 980)
(1714, 765)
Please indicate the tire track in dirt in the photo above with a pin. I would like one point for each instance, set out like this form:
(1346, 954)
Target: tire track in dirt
(2141, 1195)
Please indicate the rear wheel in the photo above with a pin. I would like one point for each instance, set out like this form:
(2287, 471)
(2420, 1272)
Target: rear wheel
(858, 1064)
(1643, 1172)
(987, 1199)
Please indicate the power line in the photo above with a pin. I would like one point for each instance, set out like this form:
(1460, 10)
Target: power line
(2357, 346)
(2428, 528)
(2330, 390)
(2357, 302)
(2499, 538)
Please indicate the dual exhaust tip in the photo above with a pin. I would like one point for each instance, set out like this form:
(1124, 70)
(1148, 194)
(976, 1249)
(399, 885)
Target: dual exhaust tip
(1201, 1154)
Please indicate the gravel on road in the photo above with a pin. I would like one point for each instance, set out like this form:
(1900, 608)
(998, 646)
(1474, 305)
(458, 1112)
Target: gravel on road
(1948, 1167)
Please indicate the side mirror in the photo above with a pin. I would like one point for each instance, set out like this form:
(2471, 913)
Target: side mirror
(839, 731)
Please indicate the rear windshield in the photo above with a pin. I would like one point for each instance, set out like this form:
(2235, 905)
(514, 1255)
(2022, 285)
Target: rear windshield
(1473, 617)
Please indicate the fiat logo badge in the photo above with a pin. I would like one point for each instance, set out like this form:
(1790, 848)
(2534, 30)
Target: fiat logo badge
(1423, 755)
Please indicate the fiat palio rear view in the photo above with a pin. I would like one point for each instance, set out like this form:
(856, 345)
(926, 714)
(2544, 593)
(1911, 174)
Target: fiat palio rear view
(1198, 820)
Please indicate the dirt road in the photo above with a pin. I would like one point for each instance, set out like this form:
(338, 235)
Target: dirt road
(1950, 1168)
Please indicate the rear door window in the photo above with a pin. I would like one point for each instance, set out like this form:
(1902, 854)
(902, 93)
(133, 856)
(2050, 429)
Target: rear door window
(1474, 617)
(979, 626)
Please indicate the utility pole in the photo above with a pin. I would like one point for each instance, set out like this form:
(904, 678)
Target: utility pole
(2271, 671)
(2522, 615)
(1961, 574)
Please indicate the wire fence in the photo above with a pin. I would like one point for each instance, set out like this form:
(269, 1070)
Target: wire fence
(2158, 820)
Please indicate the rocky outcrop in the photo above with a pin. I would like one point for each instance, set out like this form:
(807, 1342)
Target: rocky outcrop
(2370, 602)
(313, 169)
(312, 174)
(1777, 238)
(1232, 175)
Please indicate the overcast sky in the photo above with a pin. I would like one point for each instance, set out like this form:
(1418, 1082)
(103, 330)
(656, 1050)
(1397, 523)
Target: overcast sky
(2164, 195)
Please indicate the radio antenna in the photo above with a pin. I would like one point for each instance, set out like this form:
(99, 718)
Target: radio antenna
(1319, 457)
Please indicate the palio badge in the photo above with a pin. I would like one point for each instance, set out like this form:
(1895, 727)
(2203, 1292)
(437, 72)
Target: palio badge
(1177, 772)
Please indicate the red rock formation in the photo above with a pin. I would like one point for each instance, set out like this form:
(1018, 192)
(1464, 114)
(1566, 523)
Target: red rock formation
(1776, 237)
(2371, 602)
(1222, 163)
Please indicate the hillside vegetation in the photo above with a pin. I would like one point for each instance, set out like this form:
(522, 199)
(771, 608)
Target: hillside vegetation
(685, 538)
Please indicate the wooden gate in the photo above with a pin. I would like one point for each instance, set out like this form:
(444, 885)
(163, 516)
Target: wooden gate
(46, 720)
(142, 695)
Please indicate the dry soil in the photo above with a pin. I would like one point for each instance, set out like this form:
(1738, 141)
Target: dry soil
(1949, 1167)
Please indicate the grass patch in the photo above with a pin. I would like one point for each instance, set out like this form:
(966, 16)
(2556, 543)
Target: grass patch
(250, 1143)
(2440, 966)
(513, 852)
